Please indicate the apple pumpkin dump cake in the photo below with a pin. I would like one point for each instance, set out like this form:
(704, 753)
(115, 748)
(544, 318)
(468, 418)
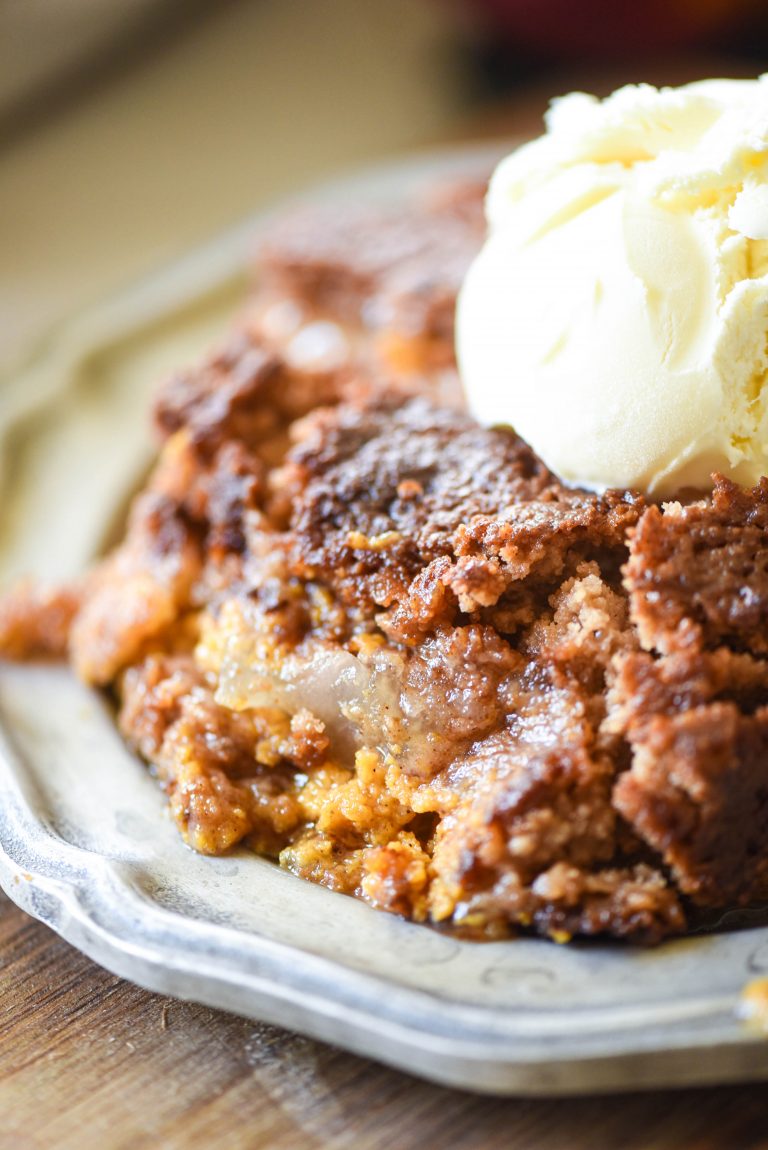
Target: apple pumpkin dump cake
(360, 633)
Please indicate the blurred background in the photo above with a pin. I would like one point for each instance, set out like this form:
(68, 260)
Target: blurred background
(132, 130)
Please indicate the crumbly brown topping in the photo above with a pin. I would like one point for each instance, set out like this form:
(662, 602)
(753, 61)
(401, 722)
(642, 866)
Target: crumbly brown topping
(355, 630)
(703, 570)
(395, 272)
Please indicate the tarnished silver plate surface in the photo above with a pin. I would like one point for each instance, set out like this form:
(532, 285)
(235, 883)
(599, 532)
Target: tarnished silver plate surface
(87, 847)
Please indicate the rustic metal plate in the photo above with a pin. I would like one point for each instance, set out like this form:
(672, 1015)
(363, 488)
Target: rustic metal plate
(87, 847)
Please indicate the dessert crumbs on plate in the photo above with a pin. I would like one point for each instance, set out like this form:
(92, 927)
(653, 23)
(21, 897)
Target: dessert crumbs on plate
(365, 636)
(753, 1005)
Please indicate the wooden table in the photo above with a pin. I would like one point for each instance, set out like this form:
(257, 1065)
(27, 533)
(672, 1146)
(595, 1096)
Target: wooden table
(90, 1061)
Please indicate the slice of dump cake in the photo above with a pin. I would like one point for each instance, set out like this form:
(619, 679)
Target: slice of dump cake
(358, 632)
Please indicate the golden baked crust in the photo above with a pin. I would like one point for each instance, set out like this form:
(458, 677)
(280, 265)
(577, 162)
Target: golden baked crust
(363, 635)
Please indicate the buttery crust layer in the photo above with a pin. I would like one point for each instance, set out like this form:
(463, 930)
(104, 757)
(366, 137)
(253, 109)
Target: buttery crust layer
(366, 636)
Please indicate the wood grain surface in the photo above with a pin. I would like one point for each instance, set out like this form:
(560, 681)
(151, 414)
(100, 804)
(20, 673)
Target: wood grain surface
(90, 1062)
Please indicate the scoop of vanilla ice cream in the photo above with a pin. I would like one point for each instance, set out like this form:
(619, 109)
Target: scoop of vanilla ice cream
(617, 316)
